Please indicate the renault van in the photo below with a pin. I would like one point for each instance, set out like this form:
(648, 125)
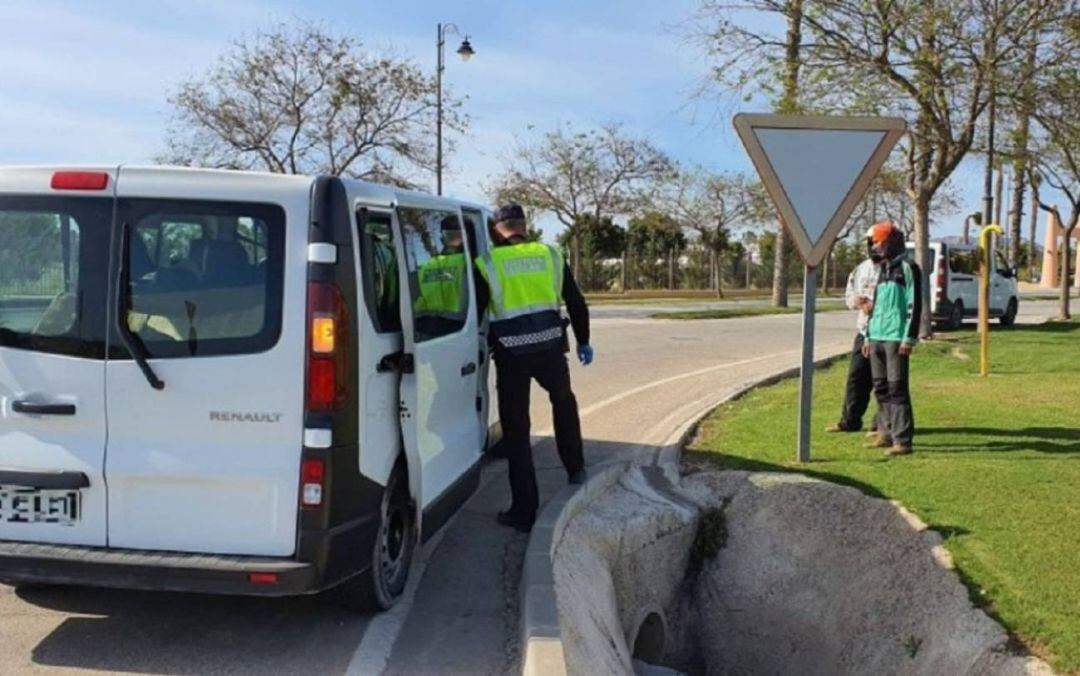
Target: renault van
(234, 382)
(954, 284)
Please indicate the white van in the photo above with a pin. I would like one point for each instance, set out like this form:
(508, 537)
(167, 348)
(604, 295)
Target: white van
(209, 380)
(954, 284)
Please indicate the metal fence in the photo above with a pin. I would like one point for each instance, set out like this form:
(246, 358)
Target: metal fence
(20, 280)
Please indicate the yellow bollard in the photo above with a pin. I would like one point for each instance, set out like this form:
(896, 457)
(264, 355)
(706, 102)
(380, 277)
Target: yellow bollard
(984, 296)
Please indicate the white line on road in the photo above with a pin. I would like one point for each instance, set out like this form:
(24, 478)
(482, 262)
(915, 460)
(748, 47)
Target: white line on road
(373, 653)
(682, 376)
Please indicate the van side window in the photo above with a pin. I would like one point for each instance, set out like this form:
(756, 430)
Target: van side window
(54, 274)
(205, 277)
(438, 266)
(379, 269)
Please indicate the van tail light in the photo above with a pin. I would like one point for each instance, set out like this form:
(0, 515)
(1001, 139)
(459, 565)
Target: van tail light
(942, 279)
(327, 321)
(263, 578)
(312, 482)
(79, 180)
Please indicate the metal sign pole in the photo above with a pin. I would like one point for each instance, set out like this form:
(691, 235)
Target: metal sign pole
(806, 376)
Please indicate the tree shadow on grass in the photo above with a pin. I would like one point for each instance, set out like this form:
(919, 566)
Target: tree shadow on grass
(1056, 440)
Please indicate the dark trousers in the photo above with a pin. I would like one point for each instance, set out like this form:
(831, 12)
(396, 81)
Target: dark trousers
(890, 372)
(514, 376)
(860, 384)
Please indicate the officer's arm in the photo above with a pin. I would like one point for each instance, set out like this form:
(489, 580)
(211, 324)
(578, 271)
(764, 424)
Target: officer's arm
(575, 307)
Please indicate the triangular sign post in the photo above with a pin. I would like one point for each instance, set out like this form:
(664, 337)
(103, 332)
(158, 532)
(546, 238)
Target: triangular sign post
(816, 169)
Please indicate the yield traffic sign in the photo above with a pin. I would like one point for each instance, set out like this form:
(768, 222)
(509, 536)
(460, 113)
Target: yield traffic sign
(816, 169)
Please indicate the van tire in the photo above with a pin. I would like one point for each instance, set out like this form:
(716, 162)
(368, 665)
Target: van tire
(956, 317)
(1009, 318)
(382, 584)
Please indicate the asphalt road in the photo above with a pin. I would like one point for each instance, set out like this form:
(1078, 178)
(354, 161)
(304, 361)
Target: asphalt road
(650, 376)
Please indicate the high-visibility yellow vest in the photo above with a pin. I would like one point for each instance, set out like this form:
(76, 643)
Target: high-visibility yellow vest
(442, 286)
(526, 290)
(524, 279)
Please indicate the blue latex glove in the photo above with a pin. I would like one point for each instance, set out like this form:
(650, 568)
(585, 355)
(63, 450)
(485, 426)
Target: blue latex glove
(585, 354)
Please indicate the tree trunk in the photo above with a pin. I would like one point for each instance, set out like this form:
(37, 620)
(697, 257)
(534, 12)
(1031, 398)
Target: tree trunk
(1033, 225)
(1066, 259)
(780, 270)
(577, 252)
(788, 105)
(749, 269)
(825, 276)
(622, 272)
(1016, 216)
(922, 257)
(1023, 132)
(999, 185)
(717, 272)
(671, 270)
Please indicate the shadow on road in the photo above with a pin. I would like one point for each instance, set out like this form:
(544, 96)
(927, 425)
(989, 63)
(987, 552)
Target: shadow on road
(169, 633)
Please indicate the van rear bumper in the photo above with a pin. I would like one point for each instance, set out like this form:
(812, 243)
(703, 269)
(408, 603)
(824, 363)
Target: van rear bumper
(154, 571)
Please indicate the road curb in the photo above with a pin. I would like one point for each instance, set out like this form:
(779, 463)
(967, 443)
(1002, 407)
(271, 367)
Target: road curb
(541, 643)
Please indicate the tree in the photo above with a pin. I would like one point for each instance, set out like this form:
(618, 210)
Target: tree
(295, 99)
(597, 173)
(751, 58)
(599, 241)
(1057, 161)
(654, 240)
(709, 205)
(931, 61)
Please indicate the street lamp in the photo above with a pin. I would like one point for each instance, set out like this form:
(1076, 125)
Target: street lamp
(466, 52)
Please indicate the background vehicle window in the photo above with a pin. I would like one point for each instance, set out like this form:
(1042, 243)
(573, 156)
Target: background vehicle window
(205, 278)
(1002, 266)
(53, 274)
(438, 267)
(380, 271)
(964, 262)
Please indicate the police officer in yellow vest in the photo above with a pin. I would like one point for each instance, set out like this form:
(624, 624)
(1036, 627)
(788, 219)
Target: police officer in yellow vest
(442, 284)
(523, 285)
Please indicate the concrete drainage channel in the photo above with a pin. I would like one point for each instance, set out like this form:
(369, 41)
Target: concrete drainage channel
(649, 572)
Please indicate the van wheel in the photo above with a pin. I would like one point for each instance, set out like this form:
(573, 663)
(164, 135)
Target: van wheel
(956, 317)
(1009, 318)
(382, 584)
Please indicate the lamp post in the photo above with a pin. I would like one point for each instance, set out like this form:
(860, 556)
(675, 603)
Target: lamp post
(465, 51)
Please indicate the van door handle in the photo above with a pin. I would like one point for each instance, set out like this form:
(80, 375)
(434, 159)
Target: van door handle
(468, 369)
(31, 408)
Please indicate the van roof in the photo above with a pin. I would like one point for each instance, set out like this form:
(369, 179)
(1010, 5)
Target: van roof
(35, 179)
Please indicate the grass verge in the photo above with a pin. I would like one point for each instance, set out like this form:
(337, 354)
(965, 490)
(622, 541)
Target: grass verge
(753, 311)
(996, 468)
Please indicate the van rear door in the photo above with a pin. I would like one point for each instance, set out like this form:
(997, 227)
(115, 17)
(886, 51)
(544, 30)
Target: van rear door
(54, 255)
(215, 294)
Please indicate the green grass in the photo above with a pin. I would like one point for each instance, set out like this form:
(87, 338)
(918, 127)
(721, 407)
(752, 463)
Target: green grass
(996, 468)
(754, 311)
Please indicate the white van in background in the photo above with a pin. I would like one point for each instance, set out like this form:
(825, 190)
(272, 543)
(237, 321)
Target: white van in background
(954, 284)
(234, 382)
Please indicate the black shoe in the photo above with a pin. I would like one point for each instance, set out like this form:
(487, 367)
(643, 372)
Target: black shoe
(577, 478)
(508, 518)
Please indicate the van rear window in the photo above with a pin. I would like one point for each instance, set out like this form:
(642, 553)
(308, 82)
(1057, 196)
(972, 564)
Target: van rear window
(205, 277)
(54, 254)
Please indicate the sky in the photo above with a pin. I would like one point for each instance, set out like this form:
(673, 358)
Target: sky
(88, 82)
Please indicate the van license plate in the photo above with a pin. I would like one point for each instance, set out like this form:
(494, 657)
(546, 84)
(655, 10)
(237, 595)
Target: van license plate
(29, 505)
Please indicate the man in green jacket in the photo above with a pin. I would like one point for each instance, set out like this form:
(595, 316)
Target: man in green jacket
(891, 335)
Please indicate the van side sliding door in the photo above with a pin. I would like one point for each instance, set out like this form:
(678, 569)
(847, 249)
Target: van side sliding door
(439, 414)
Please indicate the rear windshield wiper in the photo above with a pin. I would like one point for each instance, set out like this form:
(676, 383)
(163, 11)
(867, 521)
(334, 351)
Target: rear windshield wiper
(132, 342)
